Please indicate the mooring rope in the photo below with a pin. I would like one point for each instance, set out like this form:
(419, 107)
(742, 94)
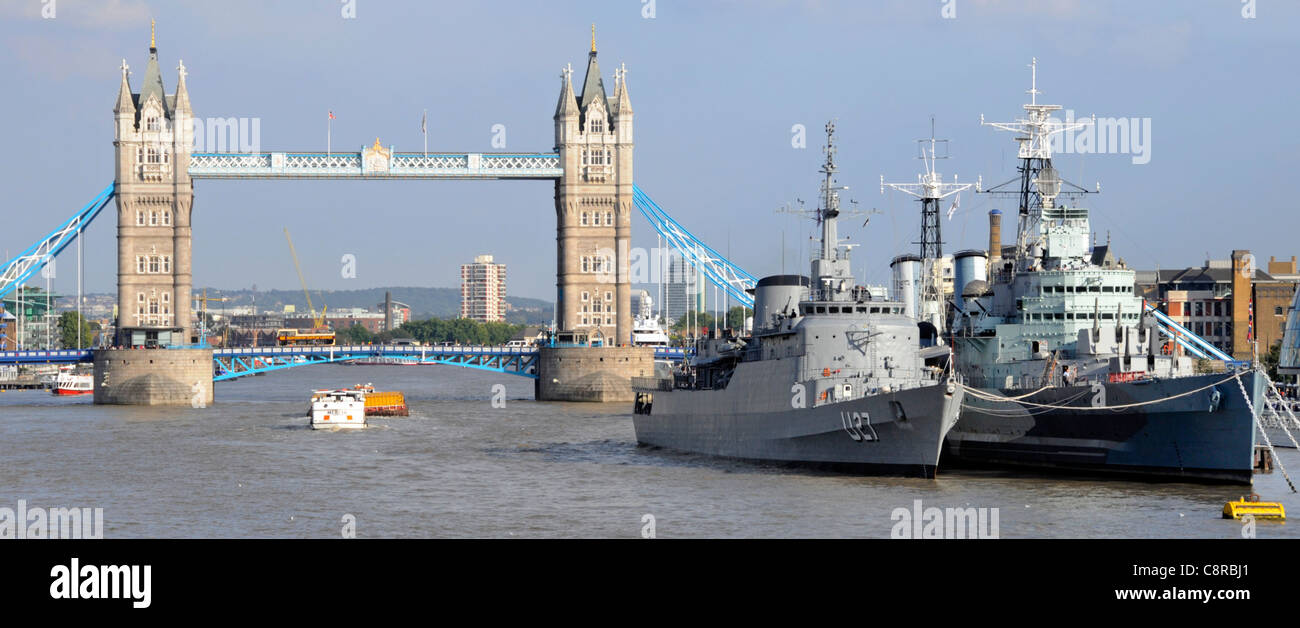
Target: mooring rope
(978, 394)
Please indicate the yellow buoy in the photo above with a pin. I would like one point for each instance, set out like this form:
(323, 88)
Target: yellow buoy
(1250, 505)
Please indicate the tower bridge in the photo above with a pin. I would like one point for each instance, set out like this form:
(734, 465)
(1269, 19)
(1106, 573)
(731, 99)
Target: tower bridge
(590, 167)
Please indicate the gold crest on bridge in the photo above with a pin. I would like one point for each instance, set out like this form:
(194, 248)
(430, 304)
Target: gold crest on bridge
(376, 159)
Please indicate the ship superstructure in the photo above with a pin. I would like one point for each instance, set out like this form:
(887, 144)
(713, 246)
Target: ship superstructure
(1068, 370)
(831, 375)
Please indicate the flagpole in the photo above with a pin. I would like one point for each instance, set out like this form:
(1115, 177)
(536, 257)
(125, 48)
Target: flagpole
(424, 130)
(329, 127)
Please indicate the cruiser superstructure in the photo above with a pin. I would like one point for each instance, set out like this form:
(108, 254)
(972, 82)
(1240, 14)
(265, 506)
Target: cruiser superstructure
(830, 376)
(1066, 368)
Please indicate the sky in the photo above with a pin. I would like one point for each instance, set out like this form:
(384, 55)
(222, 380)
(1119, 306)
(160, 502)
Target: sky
(717, 87)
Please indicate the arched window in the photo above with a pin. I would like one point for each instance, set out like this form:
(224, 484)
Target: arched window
(152, 123)
(166, 297)
(139, 217)
(153, 218)
(139, 268)
(166, 217)
(584, 219)
(166, 268)
(607, 265)
(586, 295)
(609, 219)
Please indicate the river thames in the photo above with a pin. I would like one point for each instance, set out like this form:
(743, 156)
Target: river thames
(458, 466)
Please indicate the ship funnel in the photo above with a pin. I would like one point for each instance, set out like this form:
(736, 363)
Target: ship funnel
(778, 295)
(995, 238)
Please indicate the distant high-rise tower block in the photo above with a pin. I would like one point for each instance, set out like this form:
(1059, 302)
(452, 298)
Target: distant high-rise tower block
(483, 290)
(153, 136)
(593, 205)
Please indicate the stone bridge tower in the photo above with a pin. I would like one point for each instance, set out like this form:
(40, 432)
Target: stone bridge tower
(153, 137)
(593, 207)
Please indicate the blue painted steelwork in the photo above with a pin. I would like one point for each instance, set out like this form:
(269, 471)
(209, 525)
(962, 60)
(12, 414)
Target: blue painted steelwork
(719, 270)
(64, 356)
(1289, 358)
(348, 165)
(233, 363)
(17, 270)
(1194, 344)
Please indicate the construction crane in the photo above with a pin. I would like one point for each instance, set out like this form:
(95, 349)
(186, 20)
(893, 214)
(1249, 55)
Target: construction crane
(203, 316)
(320, 333)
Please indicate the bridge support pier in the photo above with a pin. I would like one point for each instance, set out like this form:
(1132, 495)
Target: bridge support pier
(153, 377)
(601, 374)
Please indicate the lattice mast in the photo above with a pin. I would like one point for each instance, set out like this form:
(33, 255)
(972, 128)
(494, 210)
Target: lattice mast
(930, 190)
(1039, 182)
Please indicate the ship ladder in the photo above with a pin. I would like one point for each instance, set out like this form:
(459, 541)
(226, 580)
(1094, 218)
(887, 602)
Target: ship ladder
(1274, 403)
(1262, 431)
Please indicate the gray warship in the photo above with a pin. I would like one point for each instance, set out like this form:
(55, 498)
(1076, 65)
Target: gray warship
(1066, 364)
(830, 376)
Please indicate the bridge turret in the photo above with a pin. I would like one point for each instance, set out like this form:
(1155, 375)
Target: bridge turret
(566, 111)
(593, 203)
(124, 110)
(154, 196)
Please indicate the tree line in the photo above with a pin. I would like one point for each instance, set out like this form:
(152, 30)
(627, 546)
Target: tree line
(435, 330)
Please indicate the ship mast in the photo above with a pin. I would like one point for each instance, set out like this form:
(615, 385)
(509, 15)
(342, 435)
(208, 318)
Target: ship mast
(1040, 184)
(930, 190)
(831, 273)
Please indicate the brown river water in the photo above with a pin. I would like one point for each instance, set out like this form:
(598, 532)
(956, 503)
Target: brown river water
(249, 466)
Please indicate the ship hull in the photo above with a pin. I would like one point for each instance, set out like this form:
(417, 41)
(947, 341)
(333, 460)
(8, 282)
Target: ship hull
(1167, 436)
(868, 435)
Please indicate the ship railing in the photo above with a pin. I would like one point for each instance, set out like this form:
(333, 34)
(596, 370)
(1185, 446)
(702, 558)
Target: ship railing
(652, 383)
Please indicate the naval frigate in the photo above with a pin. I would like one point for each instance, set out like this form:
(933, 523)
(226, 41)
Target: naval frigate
(831, 376)
(1066, 367)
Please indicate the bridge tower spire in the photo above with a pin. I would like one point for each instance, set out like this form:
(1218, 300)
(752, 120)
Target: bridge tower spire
(153, 138)
(593, 206)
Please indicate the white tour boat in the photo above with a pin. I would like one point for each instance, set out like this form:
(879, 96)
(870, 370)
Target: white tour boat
(338, 409)
(69, 382)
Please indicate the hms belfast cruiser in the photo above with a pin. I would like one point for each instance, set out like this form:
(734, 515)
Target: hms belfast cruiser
(831, 377)
(1065, 367)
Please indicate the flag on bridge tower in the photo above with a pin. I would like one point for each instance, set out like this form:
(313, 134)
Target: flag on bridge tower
(424, 130)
